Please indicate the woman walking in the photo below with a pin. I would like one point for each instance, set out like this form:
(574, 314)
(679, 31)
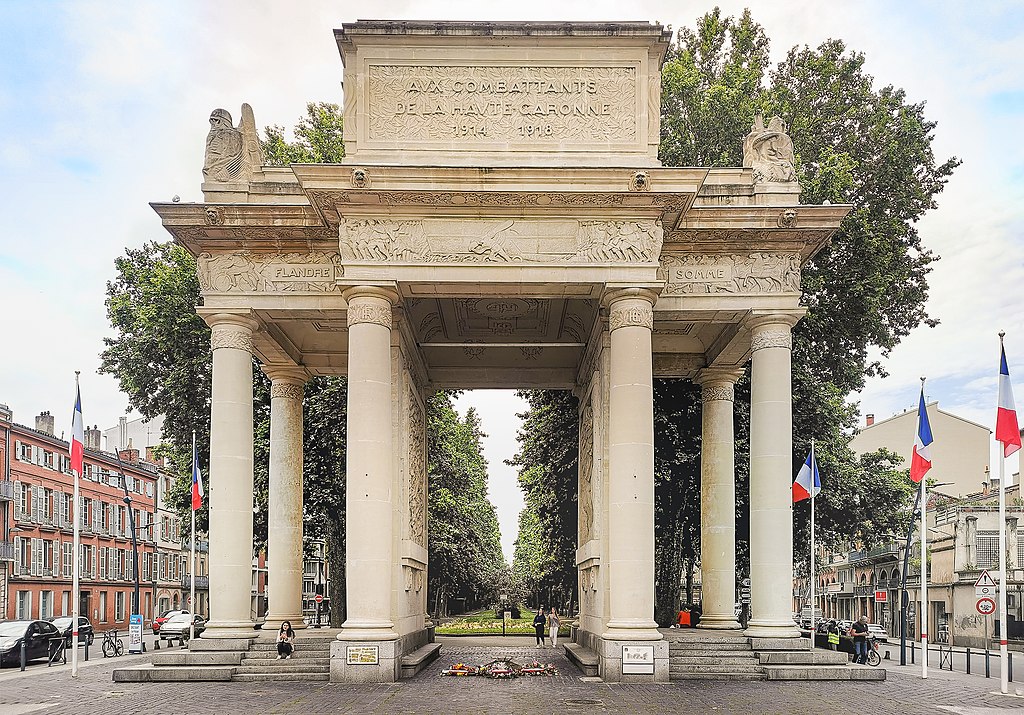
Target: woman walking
(539, 621)
(553, 624)
(285, 641)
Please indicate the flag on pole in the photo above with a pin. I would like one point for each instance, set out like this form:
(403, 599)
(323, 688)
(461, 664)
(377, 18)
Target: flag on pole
(921, 461)
(77, 434)
(808, 481)
(197, 480)
(1007, 427)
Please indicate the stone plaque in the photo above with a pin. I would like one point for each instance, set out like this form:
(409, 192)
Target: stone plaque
(638, 659)
(532, 105)
(747, 273)
(364, 655)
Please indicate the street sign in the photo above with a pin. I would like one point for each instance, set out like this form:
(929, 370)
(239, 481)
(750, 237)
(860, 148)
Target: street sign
(985, 580)
(985, 586)
(881, 596)
(319, 598)
(986, 606)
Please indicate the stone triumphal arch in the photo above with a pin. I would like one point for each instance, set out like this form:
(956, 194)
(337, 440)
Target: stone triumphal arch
(501, 220)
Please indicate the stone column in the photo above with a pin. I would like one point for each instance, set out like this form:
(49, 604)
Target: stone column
(771, 477)
(631, 468)
(718, 498)
(230, 485)
(368, 502)
(284, 522)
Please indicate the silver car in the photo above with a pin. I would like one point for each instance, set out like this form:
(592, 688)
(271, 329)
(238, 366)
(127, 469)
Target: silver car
(878, 633)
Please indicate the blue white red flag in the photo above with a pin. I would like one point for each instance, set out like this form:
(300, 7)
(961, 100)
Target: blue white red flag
(1007, 427)
(921, 460)
(197, 480)
(808, 481)
(77, 434)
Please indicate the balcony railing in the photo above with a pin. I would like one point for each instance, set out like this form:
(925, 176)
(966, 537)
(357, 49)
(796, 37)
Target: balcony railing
(202, 582)
(6, 551)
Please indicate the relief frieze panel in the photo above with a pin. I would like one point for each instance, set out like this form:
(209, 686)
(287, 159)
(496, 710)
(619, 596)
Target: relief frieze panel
(251, 272)
(503, 241)
(545, 106)
(586, 471)
(417, 465)
(758, 272)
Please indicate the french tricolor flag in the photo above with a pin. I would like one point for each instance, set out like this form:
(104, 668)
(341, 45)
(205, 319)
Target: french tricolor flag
(77, 434)
(808, 481)
(1007, 427)
(197, 479)
(921, 461)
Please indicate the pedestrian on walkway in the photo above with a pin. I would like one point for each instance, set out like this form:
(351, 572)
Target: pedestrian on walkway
(553, 624)
(859, 631)
(539, 621)
(285, 641)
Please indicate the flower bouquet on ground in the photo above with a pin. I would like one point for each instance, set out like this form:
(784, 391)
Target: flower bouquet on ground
(461, 669)
(501, 668)
(538, 668)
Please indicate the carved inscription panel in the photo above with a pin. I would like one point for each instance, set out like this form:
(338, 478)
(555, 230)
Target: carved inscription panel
(251, 272)
(732, 273)
(535, 105)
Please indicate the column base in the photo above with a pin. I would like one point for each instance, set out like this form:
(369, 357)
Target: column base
(652, 668)
(771, 629)
(352, 630)
(230, 629)
(632, 630)
(365, 661)
(719, 623)
(273, 623)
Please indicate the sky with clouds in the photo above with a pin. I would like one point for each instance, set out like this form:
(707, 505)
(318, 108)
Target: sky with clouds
(104, 106)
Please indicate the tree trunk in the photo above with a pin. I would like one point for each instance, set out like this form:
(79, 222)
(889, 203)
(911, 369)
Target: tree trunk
(336, 561)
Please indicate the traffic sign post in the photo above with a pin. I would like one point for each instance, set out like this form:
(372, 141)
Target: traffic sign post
(319, 598)
(986, 606)
(985, 586)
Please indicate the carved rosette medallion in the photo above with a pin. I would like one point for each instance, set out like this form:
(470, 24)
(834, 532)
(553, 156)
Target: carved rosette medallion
(771, 338)
(711, 393)
(369, 313)
(623, 316)
(231, 336)
(586, 472)
(417, 461)
(286, 389)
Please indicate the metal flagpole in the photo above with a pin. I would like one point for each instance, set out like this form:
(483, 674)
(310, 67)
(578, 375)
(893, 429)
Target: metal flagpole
(192, 561)
(811, 576)
(76, 557)
(924, 562)
(1003, 674)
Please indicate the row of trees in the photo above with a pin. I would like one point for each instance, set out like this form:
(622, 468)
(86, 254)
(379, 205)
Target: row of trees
(160, 354)
(855, 144)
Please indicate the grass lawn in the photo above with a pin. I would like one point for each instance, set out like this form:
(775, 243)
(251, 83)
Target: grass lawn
(483, 623)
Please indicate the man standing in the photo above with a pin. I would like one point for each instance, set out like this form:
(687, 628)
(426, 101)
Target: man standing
(859, 631)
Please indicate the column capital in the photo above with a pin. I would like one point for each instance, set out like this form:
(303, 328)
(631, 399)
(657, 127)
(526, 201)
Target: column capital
(286, 380)
(630, 307)
(370, 304)
(617, 294)
(760, 318)
(231, 330)
(368, 291)
(709, 376)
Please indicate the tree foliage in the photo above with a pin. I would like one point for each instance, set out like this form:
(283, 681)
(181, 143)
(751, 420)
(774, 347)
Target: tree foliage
(318, 138)
(464, 541)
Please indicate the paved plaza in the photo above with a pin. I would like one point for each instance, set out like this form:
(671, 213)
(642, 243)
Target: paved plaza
(53, 692)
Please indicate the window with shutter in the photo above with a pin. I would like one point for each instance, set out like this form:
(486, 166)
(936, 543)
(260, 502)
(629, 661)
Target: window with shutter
(20, 500)
(56, 558)
(36, 568)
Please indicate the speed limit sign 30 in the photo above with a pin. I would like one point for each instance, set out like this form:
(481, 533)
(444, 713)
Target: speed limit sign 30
(986, 606)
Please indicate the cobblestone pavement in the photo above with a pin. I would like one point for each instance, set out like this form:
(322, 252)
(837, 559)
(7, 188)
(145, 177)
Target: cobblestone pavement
(94, 692)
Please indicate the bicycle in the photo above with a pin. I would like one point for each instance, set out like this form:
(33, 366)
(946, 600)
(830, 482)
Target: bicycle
(873, 657)
(112, 645)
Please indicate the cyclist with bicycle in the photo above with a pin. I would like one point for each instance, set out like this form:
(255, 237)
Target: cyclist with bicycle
(859, 633)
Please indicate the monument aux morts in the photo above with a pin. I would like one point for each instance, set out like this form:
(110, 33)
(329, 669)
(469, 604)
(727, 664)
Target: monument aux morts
(500, 220)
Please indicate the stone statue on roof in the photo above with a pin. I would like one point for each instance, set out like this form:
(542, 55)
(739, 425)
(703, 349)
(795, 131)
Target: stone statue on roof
(233, 154)
(769, 151)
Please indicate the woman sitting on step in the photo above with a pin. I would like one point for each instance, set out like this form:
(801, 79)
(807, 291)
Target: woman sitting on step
(285, 641)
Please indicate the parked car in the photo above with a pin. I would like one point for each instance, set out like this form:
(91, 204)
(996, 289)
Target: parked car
(37, 636)
(85, 632)
(844, 627)
(162, 618)
(177, 626)
(878, 633)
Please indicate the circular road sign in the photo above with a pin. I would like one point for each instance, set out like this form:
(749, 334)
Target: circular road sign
(320, 599)
(986, 606)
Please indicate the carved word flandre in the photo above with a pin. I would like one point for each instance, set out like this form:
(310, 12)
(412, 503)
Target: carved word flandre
(506, 103)
(250, 272)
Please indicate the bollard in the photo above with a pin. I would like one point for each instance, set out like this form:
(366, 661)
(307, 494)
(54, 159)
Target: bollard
(24, 653)
(86, 651)
(1009, 666)
(968, 660)
(913, 652)
(988, 671)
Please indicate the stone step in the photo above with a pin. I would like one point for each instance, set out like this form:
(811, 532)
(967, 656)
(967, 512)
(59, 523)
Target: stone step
(680, 646)
(289, 668)
(294, 677)
(823, 672)
(173, 673)
(300, 654)
(709, 640)
(674, 668)
(717, 676)
(300, 658)
(747, 659)
(306, 644)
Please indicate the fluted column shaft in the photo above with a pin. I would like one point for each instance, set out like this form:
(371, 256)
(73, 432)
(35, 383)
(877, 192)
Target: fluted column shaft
(631, 467)
(771, 476)
(368, 501)
(284, 521)
(231, 477)
(717, 498)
